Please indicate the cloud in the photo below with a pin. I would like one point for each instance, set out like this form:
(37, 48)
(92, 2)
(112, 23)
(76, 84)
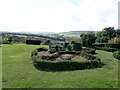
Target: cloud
(57, 15)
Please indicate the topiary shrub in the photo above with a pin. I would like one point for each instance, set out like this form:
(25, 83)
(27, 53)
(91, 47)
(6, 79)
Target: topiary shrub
(116, 54)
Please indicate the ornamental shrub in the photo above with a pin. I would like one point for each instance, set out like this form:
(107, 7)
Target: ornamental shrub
(66, 65)
(114, 45)
(34, 52)
(116, 54)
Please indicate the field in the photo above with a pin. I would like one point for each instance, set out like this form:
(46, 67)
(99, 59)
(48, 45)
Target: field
(18, 71)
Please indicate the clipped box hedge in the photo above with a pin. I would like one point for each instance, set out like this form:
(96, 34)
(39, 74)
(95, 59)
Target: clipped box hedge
(116, 54)
(89, 50)
(64, 65)
(99, 45)
(107, 45)
(113, 45)
(105, 49)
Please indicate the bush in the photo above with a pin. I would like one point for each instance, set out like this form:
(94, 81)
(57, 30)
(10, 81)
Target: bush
(69, 47)
(42, 49)
(52, 56)
(110, 45)
(77, 46)
(47, 42)
(89, 50)
(34, 52)
(34, 42)
(52, 51)
(116, 54)
(99, 45)
(66, 65)
(106, 49)
(87, 55)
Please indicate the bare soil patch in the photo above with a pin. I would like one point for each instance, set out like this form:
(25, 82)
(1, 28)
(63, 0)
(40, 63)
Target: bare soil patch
(70, 57)
(79, 58)
(43, 53)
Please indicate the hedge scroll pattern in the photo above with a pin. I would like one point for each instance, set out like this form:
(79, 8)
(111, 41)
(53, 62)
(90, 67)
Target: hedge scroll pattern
(64, 65)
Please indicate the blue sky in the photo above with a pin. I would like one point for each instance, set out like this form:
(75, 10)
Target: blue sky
(57, 15)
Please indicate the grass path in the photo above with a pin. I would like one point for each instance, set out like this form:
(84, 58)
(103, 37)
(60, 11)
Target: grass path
(18, 72)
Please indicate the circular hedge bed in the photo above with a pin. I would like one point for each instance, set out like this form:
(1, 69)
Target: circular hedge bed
(63, 65)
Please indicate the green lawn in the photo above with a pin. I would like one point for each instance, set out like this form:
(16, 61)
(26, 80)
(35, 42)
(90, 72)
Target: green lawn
(18, 71)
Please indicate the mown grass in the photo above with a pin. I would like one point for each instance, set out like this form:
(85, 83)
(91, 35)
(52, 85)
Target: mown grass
(18, 71)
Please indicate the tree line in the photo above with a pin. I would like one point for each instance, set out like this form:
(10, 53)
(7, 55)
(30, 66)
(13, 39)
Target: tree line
(107, 35)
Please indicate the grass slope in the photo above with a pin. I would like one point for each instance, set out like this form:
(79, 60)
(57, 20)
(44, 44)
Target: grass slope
(18, 72)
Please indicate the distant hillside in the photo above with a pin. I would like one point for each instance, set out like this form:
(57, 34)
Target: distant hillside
(54, 37)
(75, 32)
(39, 33)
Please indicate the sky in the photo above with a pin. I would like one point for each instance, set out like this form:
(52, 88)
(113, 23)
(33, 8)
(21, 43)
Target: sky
(57, 15)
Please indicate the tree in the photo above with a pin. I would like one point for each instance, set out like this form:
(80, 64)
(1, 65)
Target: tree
(69, 47)
(77, 46)
(110, 32)
(102, 37)
(88, 38)
(47, 42)
(106, 34)
(66, 44)
(57, 48)
(118, 33)
(10, 39)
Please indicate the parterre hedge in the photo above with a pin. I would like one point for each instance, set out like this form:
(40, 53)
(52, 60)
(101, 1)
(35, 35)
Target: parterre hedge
(88, 54)
(99, 45)
(114, 45)
(34, 52)
(64, 65)
(89, 50)
(33, 42)
(116, 54)
(42, 49)
(107, 45)
(105, 49)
